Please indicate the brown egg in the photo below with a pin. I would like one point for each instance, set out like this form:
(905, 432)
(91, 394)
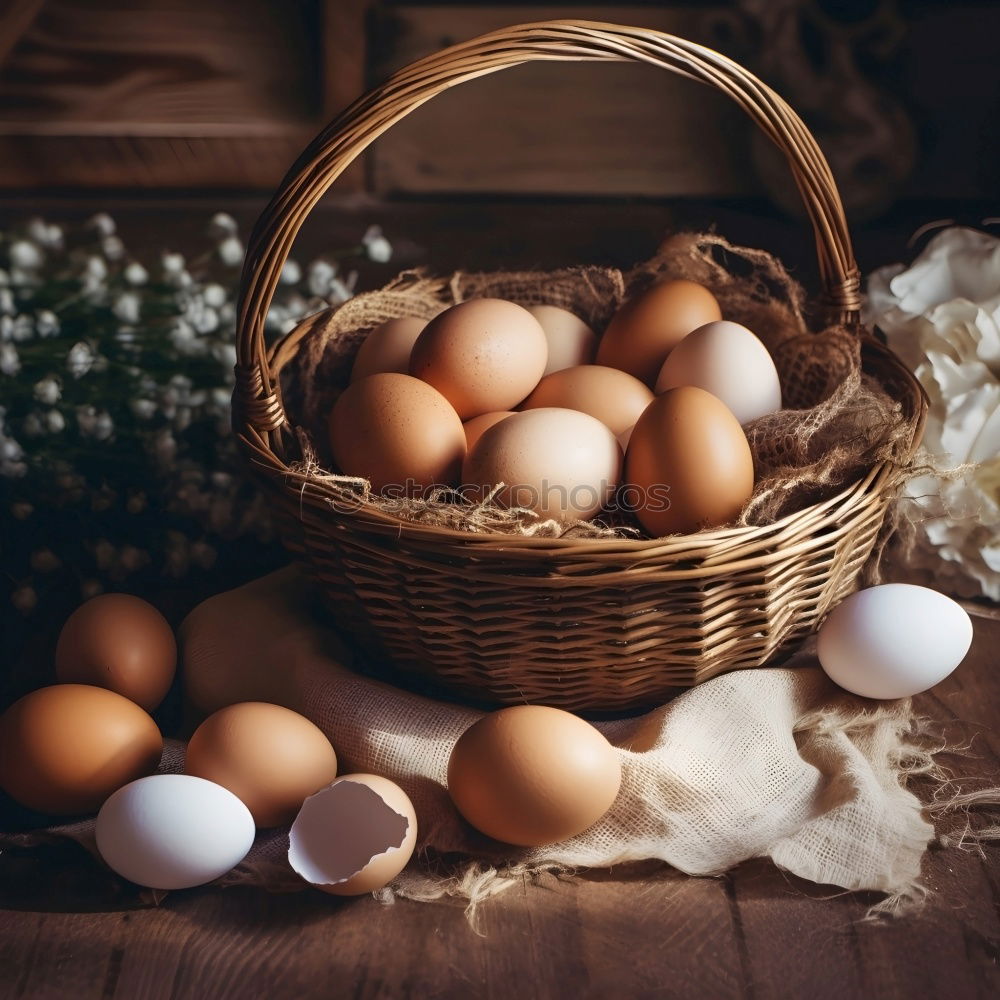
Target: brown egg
(646, 328)
(688, 464)
(398, 432)
(475, 428)
(614, 397)
(64, 749)
(387, 348)
(269, 757)
(122, 643)
(354, 836)
(482, 355)
(571, 341)
(531, 775)
(560, 463)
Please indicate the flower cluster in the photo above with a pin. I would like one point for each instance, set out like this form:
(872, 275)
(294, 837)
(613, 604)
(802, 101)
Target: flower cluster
(116, 456)
(941, 315)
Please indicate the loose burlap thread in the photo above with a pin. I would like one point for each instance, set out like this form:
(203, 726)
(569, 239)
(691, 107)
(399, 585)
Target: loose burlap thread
(837, 421)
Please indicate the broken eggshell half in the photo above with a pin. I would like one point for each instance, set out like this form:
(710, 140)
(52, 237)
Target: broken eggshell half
(354, 836)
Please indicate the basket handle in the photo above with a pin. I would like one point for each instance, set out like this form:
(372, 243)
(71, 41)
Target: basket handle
(257, 403)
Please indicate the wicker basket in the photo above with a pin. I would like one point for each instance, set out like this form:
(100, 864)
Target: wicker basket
(582, 624)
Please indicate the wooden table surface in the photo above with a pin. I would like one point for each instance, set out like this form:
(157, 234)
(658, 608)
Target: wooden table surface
(67, 929)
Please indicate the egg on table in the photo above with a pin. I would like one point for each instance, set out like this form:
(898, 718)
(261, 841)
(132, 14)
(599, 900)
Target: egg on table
(894, 640)
(64, 749)
(354, 836)
(531, 775)
(614, 397)
(560, 463)
(648, 327)
(688, 466)
(270, 757)
(122, 643)
(482, 355)
(398, 432)
(173, 831)
(731, 363)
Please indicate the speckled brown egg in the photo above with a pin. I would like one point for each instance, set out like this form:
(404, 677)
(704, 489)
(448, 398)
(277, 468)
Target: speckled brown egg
(646, 328)
(122, 643)
(64, 749)
(614, 397)
(398, 432)
(482, 355)
(269, 757)
(688, 464)
(531, 775)
(387, 348)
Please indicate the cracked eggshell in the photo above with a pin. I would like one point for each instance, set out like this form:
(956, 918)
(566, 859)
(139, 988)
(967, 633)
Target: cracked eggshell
(354, 836)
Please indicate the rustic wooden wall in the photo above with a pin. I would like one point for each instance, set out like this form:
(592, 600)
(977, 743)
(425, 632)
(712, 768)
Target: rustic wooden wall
(222, 94)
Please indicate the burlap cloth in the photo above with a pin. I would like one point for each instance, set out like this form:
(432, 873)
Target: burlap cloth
(773, 762)
(837, 422)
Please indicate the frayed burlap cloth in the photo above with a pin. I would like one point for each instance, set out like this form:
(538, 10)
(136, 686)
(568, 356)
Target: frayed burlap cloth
(772, 763)
(836, 424)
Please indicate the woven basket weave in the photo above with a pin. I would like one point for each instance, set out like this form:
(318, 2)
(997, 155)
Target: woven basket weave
(578, 623)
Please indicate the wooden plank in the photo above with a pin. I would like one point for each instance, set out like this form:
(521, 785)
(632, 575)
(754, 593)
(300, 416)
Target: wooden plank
(559, 128)
(152, 94)
(15, 19)
(345, 54)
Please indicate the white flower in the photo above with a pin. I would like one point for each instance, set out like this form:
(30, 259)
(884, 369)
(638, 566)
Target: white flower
(113, 248)
(222, 225)
(102, 223)
(33, 425)
(104, 426)
(319, 276)
(142, 409)
(46, 323)
(173, 263)
(45, 234)
(26, 256)
(135, 273)
(214, 295)
(80, 359)
(942, 317)
(165, 448)
(55, 421)
(22, 329)
(4, 278)
(48, 390)
(86, 420)
(291, 273)
(127, 307)
(10, 360)
(7, 306)
(131, 559)
(231, 252)
(225, 354)
(338, 292)
(376, 245)
(6, 328)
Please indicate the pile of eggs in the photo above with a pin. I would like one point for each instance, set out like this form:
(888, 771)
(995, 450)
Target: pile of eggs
(525, 406)
(527, 775)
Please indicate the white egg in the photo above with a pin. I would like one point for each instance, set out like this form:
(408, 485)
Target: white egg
(731, 363)
(173, 831)
(893, 641)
